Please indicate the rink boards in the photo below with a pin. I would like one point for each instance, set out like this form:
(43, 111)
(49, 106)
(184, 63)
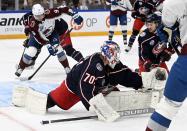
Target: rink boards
(96, 23)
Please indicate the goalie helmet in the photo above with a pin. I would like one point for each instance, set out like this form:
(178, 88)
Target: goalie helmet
(37, 11)
(111, 51)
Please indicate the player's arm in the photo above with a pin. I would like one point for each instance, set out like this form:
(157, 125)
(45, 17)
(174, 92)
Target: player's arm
(56, 12)
(143, 48)
(144, 51)
(126, 77)
(129, 6)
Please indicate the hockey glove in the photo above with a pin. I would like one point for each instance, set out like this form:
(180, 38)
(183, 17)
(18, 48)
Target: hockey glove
(166, 55)
(147, 65)
(52, 50)
(77, 18)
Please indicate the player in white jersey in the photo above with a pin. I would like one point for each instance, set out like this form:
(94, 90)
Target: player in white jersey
(174, 11)
(42, 32)
(119, 10)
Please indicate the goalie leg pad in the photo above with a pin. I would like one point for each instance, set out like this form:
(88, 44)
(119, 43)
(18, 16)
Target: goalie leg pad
(36, 102)
(19, 96)
(103, 110)
(130, 100)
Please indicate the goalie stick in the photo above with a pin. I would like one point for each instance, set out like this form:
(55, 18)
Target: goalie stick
(31, 76)
(126, 113)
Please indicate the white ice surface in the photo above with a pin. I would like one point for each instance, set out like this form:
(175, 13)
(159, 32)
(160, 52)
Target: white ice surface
(52, 73)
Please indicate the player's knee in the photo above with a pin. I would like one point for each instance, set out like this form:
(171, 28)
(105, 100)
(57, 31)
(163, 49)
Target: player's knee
(112, 27)
(168, 108)
(123, 27)
(29, 54)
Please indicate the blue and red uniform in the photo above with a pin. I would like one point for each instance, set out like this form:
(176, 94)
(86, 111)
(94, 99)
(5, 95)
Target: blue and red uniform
(88, 78)
(147, 41)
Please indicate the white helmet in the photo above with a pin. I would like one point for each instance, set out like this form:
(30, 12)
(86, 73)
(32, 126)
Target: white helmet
(111, 51)
(37, 9)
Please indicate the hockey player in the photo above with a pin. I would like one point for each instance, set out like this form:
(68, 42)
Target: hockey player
(86, 82)
(119, 10)
(42, 32)
(90, 76)
(175, 90)
(142, 8)
(61, 27)
(152, 52)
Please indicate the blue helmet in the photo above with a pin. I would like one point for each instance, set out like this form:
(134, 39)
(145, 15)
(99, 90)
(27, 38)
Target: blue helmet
(111, 51)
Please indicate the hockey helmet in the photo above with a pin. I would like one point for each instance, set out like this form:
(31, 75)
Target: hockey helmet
(111, 51)
(37, 11)
(155, 17)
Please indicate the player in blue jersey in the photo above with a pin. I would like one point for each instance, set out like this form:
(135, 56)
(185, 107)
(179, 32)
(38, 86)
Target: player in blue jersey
(152, 51)
(142, 8)
(87, 78)
(175, 90)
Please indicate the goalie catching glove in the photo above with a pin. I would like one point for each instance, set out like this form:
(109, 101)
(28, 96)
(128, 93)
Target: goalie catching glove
(155, 79)
(103, 110)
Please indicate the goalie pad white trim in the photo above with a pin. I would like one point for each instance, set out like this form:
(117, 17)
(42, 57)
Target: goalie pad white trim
(36, 102)
(132, 100)
(19, 96)
(103, 110)
(149, 79)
